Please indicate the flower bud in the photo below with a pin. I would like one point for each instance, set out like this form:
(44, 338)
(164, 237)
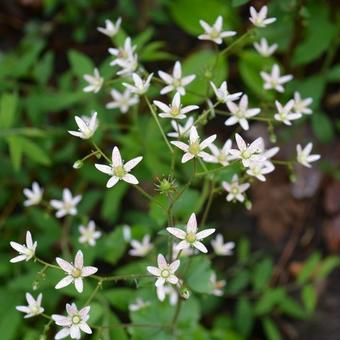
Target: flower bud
(78, 164)
(184, 293)
(248, 204)
(166, 185)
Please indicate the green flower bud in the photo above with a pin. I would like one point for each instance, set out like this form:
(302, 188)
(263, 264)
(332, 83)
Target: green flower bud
(78, 164)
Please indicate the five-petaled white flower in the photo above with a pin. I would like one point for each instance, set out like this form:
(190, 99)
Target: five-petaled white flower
(301, 105)
(138, 304)
(118, 170)
(164, 290)
(235, 189)
(175, 110)
(73, 323)
(34, 306)
(26, 251)
(195, 147)
(214, 32)
(95, 82)
(259, 18)
(221, 156)
(126, 59)
(260, 168)
(248, 153)
(284, 112)
(75, 272)
(222, 93)
(190, 237)
(110, 29)
(221, 248)
(240, 113)
(34, 196)
(175, 82)
(89, 234)
(140, 86)
(217, 285)
(141, 248)
(165, 272)
(181, 131)
(264, 49)
(304, 157)
(122, 101)
(68, 205)
(86, 126)
(274, 80)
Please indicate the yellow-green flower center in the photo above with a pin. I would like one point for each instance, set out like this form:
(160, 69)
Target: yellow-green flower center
(76, 272)
(234, 190)
(214, 34)
(246, 154)
(222, 157)
(119, 171)
(176, 83)
(175, 111)
(76, 319)
(191, 237)
(165, 273)
(194, 148)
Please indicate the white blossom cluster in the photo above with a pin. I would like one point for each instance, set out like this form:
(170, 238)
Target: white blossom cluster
(254, 158)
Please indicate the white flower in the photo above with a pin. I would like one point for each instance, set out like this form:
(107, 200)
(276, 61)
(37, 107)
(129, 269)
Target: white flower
(301, 105)
(165, 272)
(118, 170)
(190, 237)
(221, 248)
(68, 206)
(284, 113)
(125, 58)
(304, 157)
(26, 251)
(34, 306)
(175, 110)
(140, 86)
(164, 290)
(34, 196)
(264, 49)
(268, 154)
(235, 189)
(138, 304)
(181, 131)
(259, 18)
(260, 168)
(222, 93)
(214, 32)
(110, 28)
(240, 113)
(75, 272)
(181, 252)
(123, 100)
(195, 147)
(221, 156)
(217, 285)
(73, 323)
(141, 248)
(248, 153)
(274, 80)
(86, 126)
(127, 233)
(89, 234)
(95, 82)
(175, 82)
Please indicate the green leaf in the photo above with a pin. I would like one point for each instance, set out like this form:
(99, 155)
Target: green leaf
(15, 150)
(186, 204)
(291, 308)
(198, 275)
(319, 35)
(203, 65)
(262, 273)
(187, 13)
(43, 69)
(309, 268)
(35, 152)
(157, 213)
(8, 105)
(333, 75)
(244, 317)
(269, 300)
(243, 250)
(323, 127)
(327, 266)
(120, 297)
(270, 329)
(112, 202)
(238, 282)
(250, 65)
(309, 298)
(237, 3)
(80, 63)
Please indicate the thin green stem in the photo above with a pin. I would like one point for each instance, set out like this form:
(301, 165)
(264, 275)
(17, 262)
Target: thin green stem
(99, 285)
(101, 152)
(236, 42)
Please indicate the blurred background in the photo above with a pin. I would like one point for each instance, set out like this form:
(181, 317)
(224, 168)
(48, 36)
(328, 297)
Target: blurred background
(47, 46)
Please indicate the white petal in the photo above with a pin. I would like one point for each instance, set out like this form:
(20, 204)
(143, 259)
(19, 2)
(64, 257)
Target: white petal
(177, 232)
